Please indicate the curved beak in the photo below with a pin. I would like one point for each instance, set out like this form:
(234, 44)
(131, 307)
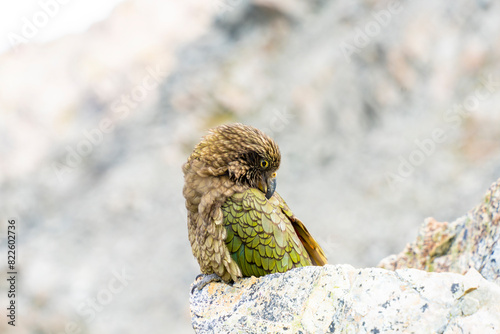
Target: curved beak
(271, 186)
(268, 185)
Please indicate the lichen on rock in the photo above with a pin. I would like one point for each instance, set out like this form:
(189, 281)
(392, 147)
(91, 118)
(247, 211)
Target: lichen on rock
(471, 241)
(343, 299)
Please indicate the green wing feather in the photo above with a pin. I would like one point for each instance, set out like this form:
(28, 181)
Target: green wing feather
(312, 247)
(261, 236)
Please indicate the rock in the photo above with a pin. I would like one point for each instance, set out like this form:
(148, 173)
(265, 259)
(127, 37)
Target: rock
(469, 241)
(343, 299)
(340, 298)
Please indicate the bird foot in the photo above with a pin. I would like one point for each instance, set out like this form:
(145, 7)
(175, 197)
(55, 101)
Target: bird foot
(205, 280)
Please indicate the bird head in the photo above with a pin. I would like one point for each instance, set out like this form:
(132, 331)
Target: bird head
(244, 153)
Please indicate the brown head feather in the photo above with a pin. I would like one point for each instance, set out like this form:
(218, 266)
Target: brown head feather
(235, 150)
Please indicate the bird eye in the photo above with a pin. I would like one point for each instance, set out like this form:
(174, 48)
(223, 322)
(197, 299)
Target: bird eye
(264, 163)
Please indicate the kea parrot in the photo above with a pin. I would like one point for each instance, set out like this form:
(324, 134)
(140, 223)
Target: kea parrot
(238, 225)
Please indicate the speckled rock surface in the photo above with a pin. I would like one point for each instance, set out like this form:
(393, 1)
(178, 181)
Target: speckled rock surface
(469, 241)
(343, 299)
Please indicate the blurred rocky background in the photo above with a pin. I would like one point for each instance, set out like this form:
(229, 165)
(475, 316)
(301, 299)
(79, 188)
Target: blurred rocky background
(386, 112)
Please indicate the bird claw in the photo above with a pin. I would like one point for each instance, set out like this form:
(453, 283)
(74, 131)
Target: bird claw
(205, 280)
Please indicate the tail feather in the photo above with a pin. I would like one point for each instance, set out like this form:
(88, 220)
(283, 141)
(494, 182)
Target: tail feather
(312, 247)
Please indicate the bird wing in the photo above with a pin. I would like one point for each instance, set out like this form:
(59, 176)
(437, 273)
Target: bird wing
(260, 235)
(313, 248)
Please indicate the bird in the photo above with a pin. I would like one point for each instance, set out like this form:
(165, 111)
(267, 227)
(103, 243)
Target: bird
(238, 225)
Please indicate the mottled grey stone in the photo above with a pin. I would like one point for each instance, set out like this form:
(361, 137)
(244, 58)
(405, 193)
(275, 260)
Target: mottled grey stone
(343, 299)
(469, 241)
